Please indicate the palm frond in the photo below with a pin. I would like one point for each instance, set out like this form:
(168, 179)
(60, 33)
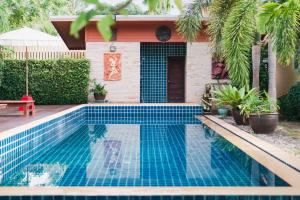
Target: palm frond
(218, 13)
(158, 7)
(237, 38)
(189, 22)
(281, 21)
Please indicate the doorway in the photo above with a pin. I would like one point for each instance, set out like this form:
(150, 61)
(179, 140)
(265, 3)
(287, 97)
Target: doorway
(176, 79)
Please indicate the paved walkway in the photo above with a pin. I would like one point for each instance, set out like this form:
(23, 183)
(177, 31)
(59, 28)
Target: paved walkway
(11, 117)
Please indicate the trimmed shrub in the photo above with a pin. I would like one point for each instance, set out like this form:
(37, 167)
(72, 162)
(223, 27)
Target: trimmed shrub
(62, 81)
(290, 103)
(1, 70)
(294, 100)
(285, 109)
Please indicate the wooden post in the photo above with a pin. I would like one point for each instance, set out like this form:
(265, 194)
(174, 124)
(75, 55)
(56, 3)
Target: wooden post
(26, 62)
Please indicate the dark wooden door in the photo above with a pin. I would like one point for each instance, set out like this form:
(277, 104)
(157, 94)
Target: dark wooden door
(176, 74)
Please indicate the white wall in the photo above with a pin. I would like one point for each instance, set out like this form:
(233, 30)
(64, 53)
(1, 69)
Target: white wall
(128, 88)
(198, 70)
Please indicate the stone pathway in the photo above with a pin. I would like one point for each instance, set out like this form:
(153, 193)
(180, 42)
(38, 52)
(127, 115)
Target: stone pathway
(286, 136)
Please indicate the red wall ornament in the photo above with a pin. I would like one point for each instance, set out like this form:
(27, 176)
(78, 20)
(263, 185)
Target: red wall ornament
(112, 66)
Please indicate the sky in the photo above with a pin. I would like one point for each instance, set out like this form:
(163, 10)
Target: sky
(173, 11)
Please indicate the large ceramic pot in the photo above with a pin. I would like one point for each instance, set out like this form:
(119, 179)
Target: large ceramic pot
(223, 112)
(239, 118)
(99, 97)
(264, 123)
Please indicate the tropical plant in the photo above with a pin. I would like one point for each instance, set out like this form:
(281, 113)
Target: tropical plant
(232, 31)
(189, 23)
(237, 38)
(218, 13)
(98, 88)
(258, 104)
(280, 20)
(229, 95)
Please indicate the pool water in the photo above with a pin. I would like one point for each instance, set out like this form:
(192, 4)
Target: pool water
(142, 153)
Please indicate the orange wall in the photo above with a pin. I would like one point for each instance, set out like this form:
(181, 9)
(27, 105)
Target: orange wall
(138, 32)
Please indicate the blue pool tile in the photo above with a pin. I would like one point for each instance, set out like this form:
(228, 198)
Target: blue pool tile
(127, 146)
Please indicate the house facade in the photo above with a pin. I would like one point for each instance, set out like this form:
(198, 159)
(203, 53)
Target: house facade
(146, 61)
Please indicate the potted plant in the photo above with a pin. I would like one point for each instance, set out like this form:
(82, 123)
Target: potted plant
(98, 90)
(223, 111)
(229, 95)
(262, 113)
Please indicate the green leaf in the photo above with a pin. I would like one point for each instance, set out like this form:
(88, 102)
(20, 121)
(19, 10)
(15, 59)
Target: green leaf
(152, 4)
(104, 26)
(281, 22)
(81, 22)
(237, 38)
(92, 1)
(123, 12)
(189, 22)
(179, 4)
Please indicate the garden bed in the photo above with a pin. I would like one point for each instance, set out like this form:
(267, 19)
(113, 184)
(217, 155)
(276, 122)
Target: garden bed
(286, 136)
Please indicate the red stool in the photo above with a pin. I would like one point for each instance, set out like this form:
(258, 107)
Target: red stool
(27, 98)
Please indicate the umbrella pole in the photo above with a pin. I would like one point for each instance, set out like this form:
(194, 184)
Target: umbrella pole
(26, 62)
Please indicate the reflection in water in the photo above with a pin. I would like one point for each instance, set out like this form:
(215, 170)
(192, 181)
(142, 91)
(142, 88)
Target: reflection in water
(143, 155)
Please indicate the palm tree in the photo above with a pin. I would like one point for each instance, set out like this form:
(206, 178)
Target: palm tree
(256, 55)
(281, 22)
(238, 36)
(189, 22)
(232, 30)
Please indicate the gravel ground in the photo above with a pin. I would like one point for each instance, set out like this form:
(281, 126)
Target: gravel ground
(286, 136)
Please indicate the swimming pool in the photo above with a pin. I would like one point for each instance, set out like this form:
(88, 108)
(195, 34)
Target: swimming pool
(128, 146)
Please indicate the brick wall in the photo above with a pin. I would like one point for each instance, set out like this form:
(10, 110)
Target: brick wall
(128, 88)
(198, 70)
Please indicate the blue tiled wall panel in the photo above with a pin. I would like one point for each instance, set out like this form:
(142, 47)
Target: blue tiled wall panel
(154, 69)
(131, 114)
(18, 150)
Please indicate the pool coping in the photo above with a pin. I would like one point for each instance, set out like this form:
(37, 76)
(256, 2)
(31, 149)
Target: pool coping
(281, 155)
(10, 132)
(286, 172)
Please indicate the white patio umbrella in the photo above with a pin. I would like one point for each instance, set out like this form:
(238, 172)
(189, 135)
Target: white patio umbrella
(28, 37)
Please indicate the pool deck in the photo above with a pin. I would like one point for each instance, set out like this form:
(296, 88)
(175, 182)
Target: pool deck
(11, 117)
(265, 153)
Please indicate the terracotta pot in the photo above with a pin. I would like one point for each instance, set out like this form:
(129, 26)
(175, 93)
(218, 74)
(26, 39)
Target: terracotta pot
(99, 97)
(264, 123)
(238, 118)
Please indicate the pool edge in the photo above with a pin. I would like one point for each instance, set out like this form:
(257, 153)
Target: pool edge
(136, 191)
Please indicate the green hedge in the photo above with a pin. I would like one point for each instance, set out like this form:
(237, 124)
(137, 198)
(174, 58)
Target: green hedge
(290, 103)
(63, 81)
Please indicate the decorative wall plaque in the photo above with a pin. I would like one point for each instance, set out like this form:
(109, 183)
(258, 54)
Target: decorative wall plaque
(163, 33)
(112, 66)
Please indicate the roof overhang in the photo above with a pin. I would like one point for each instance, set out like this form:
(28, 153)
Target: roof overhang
(63, 28)
(121, 18)
(63, 24)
